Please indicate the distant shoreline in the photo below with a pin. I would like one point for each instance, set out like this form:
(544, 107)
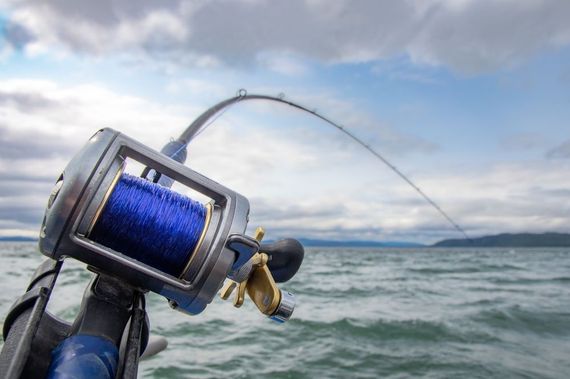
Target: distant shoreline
(511, 240)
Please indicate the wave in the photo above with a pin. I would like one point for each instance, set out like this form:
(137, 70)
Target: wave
(392, 330)
(518, 319)
(479, 268)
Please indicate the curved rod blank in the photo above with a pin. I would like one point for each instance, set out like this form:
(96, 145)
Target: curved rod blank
(201, 122)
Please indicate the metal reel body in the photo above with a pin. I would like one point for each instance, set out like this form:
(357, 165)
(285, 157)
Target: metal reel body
(81, 192)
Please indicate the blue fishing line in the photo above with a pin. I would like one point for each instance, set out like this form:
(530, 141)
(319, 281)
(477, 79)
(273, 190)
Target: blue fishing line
(151, 224)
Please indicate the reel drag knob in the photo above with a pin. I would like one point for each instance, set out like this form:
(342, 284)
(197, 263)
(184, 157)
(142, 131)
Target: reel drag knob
(285, 308)
(285, 258)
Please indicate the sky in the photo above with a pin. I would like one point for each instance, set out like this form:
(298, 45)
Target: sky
(469, 98)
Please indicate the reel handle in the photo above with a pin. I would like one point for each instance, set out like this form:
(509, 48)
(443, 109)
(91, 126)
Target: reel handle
(285, 258)
(286, 255)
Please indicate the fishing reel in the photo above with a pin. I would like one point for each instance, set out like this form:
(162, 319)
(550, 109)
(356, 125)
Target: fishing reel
(142, 232)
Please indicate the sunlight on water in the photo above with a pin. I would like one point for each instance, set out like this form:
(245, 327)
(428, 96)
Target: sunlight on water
(365, 314)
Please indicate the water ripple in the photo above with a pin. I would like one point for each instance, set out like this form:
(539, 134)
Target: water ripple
(393, 313)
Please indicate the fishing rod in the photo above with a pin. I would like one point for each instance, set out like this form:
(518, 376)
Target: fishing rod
(216, 111)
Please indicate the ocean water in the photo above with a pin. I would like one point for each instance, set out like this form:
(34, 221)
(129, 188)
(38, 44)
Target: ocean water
(361, 313)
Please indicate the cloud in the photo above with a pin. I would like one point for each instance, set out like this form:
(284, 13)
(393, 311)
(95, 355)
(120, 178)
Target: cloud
(27, 145)
(469, 36)
(561, 151)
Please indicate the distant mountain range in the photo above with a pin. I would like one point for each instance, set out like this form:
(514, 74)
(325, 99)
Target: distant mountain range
(511, 240)
(499, 240)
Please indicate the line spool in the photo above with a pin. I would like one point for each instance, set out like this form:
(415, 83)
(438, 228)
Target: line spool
(151, 223)
(142, 232)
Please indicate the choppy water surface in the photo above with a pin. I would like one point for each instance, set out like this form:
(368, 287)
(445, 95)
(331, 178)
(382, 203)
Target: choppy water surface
(361, 313)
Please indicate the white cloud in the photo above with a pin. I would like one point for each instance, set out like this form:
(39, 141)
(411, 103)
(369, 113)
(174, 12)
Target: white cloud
(468, 36)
